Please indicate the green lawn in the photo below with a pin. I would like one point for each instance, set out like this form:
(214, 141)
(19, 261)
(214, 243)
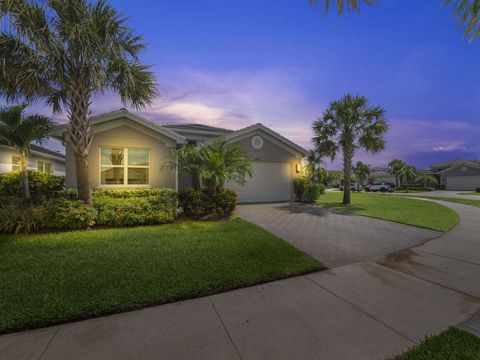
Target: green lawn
(469, 193)
(54, 278)
(455, 200)
(395, 208)
(452, 344)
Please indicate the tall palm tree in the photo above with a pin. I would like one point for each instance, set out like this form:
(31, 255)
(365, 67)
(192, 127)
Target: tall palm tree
(65, 52)
(224, 162)
(361, 170)
(409, 174)
(347, 125)
(395, 168)
(19, 132)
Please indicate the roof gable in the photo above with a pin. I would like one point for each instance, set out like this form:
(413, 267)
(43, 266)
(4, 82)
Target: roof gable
(274, 137)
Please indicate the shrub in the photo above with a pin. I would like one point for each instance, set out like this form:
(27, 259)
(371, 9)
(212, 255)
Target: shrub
(70, 194)
(322, 188)
(17, 217)
(206, 205)
(63, 214)
(477, 189)
(40, 184)
(119, 211)
(164, 193)
(311, 192)
(299, 187)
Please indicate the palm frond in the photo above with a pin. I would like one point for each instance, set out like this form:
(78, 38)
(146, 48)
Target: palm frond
(342, 5)
(466, 13)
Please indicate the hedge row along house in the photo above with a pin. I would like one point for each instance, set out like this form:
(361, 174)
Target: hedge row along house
(129, 151)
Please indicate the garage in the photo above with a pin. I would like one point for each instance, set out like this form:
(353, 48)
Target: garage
(468, 183)
(271, 182)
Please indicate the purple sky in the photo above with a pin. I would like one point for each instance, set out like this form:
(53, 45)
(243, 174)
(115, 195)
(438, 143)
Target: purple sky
(280, 62)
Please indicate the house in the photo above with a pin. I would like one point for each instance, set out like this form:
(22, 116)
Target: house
(40, 159)
(129, 151)
(380, 174)
(458, 174)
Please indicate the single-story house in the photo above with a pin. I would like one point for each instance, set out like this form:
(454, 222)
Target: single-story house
(458, 174)
(40, 159)
(129, 151)
(380, 174)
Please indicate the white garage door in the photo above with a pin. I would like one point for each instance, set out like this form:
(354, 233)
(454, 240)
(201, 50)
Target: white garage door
(271, 181)
(462, 182)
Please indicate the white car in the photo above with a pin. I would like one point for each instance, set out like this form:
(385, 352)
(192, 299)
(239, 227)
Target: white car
(380, 186)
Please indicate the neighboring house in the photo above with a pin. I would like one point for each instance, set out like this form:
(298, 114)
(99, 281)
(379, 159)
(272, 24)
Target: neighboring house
(129, 151)
(458, 174)
(40, 159)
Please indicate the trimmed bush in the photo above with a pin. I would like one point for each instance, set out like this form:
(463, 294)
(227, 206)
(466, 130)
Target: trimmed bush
(311, 192)
(322, 188)
(63, 214)
(119, 211)
(299, 187)
(164, 193)
(205, 205)
(477, 189)
(40, 184)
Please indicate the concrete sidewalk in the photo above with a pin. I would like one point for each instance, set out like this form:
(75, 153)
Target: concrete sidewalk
(368, 310)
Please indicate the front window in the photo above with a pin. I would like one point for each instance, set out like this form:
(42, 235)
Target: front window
(15, 163)
(44, 167)
(124, 166)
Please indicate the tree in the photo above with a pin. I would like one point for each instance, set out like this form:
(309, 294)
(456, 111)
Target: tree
(64, 52)
(347, 125)
(313, 160)
(19, 132)
(409, 174)
(361, 170)
(395, 168)
(334, 176)
(190, 161)
(466, 12)
(427, 180)
(322, 174)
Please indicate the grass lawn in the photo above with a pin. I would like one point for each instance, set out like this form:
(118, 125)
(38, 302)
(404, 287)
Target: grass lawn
(395, 208)
(456, 200)
(469, 193)
(452, 344)
(53, 278)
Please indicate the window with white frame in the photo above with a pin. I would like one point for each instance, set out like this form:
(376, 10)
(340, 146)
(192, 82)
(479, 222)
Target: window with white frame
(124, 166)
(45, 167)
(15, 162)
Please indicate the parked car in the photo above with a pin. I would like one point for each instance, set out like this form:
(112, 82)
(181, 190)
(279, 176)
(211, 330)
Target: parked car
(354, 188)
(380, 186)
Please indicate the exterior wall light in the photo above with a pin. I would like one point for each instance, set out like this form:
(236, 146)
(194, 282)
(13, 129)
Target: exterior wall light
(298, 168)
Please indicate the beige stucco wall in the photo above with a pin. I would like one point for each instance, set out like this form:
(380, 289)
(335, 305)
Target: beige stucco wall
(32, 161)
(161, 152)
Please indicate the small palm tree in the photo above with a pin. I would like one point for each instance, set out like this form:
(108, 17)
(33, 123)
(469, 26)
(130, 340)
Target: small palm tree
(409, 174)
(65, 52)
(19, 132)
(313, 160)
(361, 170)
(223, 162)
(427, 180)
(347, 125)
(190, 161)
(395, 168)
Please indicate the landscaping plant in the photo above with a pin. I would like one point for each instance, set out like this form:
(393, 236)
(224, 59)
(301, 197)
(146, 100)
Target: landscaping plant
(19, 132)
(347, 125)
(40, 185)
(205, 205)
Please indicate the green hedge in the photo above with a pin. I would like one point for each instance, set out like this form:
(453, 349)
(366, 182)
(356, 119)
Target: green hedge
(307, 191)
(40, 184)
(63, 214)
(205, 205)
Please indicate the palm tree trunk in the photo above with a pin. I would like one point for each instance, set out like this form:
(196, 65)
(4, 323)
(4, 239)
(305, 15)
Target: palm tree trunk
(81, 138)
(24, 175)
(347, 174)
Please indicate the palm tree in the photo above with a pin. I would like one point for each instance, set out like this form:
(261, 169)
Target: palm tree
(361, 170)
(190, 161)
(427, 180)
(313, 160)
(409, 174)
(466, 12)
(19, 132)
(347, 125)
(223, 162)
(395, 168)
(64, 52)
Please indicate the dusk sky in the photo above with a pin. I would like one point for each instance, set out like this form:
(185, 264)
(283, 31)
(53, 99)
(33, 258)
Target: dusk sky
(280, 62)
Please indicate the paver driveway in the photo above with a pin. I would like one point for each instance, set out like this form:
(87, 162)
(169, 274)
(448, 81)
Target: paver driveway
(332, 237)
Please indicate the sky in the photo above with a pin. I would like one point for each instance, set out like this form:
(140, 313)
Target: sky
(281, 62)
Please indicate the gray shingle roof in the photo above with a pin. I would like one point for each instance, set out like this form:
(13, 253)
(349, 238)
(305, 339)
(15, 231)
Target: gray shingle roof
(200, 127)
